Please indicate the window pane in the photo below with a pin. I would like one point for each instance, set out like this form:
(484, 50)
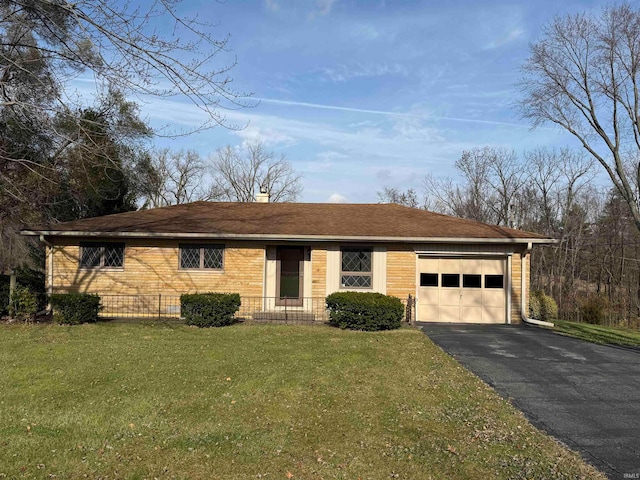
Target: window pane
(90, 256)
(428, 279)
(471, 281)
(356, 281)
(356, 260)
(450, 280)
(213, 257)
(114, 255)
(493, 281)
(190, 257)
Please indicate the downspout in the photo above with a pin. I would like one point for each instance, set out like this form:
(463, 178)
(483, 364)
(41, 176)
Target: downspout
(523, 293)
(49, 247)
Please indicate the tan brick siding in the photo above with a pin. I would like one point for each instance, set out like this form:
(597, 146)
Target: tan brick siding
(401, 271)
(151, 267)
(319, 271)
(516, 286)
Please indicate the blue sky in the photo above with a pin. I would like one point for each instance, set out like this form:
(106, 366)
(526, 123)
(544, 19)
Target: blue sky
(364, 94)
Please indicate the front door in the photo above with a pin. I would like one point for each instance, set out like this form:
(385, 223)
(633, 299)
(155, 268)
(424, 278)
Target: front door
(290, 262)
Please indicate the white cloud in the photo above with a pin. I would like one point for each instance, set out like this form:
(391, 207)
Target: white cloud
(269, 136)
(410, 128)
(344, 73)
(510, 36)
(337, 198)
(325, 162)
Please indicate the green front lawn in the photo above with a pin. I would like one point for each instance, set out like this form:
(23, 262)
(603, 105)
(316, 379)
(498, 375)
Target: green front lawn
(115, 400)
(599, 334)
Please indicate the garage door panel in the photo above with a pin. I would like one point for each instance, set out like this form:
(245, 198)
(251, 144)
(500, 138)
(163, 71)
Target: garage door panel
(491, 313)
(428, 313)
(493, 267)
(472, 265)
(449, 314)
(472, 314)
(472, 297)
(430, 296)
(450, 297)
(449, 265)
(429, 265)
(493, 298)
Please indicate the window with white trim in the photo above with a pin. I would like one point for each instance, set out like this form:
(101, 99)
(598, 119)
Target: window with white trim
(355, 270)
(201, 257)
(101, 255)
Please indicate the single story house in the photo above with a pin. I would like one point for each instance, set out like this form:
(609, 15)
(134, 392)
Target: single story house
(291, 255)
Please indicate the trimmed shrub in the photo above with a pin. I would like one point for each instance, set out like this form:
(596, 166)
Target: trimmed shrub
(23, 304)
(548, 308)
(542, 306)
(75, 308)
(534, 305)
(364, 311)
(33, 279)
(593, 309)
(209, 309)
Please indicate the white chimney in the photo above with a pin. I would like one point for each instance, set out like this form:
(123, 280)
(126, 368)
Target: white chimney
(263, 196)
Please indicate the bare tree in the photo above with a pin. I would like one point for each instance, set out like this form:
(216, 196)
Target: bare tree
(173, 177)
(47, 43)
(544, 170)
(505, 177)
(239, 173)
(559, 205)
(408, 198)
(491, 180)
(475, 198)
(445, 195)
(127, 49)
(583, 76)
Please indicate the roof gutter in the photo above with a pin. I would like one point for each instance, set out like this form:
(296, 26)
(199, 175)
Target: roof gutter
(292, 238)
(523, 294)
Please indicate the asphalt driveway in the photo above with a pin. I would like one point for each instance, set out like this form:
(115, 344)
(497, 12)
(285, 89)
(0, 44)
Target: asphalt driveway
(586, 395)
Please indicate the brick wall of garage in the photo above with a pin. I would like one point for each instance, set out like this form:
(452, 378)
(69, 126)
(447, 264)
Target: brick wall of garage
(151, 267)
(516, 286)
(401, 270)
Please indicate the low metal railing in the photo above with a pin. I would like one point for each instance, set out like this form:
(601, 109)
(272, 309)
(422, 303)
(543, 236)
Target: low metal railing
(259, 309)
(263, 309)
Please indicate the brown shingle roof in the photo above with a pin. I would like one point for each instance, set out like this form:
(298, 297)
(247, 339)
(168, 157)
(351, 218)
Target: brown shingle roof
(288, 220)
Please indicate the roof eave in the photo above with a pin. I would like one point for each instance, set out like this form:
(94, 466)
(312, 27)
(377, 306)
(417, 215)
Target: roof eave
(288, 238)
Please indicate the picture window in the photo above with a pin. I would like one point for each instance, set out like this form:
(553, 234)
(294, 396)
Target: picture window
(356, 271)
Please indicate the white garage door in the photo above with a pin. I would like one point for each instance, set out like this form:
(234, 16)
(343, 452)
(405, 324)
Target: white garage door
(469, 290)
